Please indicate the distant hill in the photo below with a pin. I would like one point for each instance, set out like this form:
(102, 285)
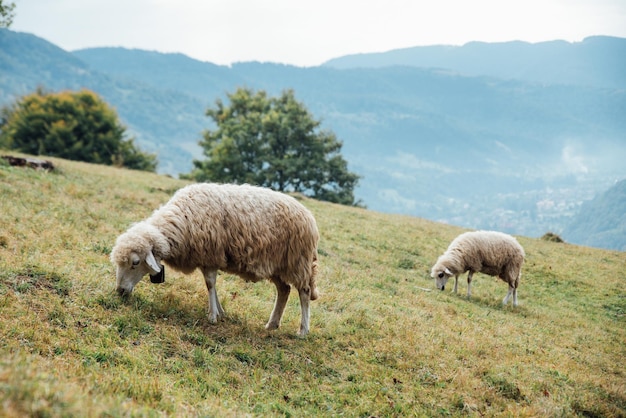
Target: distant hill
(176, 72)
(164, 121)
(27, 61)
(598, 61)
(475, 151)
(601, 221)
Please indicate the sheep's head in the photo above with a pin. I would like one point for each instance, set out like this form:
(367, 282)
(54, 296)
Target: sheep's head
(132, 270)
(441, 274)
(134, 257)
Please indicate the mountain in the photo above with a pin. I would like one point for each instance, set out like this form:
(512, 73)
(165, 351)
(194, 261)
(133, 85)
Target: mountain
(164, 121)
(176, 72)
(601, 221)
(596, 61)
(475, 151)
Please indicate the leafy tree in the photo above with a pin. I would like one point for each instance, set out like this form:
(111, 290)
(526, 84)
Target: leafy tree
(274, 142)
(6, 14)
(72, 125)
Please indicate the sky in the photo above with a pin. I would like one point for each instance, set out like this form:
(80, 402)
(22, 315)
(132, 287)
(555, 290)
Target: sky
(309, 32)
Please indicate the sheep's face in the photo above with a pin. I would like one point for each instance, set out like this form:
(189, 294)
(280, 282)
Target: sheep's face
(441, 276)
(131, 271)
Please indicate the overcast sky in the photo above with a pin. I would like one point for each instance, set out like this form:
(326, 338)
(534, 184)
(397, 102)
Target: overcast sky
(309, 32)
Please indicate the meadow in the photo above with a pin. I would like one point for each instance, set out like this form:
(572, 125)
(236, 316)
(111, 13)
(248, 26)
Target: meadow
(383, 340)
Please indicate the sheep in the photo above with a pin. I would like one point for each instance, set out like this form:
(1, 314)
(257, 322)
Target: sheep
(488, 252)
(253, 232)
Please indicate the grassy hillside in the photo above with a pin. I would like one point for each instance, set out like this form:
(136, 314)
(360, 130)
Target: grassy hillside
(382, 341)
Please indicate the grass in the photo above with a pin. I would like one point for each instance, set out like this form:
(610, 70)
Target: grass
(383, 342)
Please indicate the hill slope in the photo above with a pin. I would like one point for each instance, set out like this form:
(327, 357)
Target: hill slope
(163, 121)
(382, 342)
(601, 222)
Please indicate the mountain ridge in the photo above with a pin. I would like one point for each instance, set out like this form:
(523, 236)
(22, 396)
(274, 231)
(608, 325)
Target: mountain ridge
(598, 61)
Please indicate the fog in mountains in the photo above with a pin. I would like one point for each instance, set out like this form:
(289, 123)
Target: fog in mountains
(507, 136)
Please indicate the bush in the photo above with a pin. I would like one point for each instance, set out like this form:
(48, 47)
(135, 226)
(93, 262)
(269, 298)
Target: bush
(552, 237)
(72, 125)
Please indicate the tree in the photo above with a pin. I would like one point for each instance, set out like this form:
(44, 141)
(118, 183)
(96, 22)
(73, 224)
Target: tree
(6, 14)
(273, 142)
(72, 125)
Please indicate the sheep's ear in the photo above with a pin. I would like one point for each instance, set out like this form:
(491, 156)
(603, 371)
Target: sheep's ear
(448, 272)
(152, 263)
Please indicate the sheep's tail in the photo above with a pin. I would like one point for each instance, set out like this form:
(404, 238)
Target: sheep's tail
(314, 293)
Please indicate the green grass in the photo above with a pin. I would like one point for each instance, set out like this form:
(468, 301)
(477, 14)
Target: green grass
(383, 342)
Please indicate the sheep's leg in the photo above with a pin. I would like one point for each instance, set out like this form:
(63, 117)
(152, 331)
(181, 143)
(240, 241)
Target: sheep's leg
(518, 276)
(282, 294)
(215, 309)
(220, 310)
(305, 299)
(512, 292)
(512, 280)
(456, 283)
(469, 284)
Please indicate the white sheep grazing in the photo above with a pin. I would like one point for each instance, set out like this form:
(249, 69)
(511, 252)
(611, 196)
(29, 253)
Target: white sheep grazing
(489, 252)
(250, 231)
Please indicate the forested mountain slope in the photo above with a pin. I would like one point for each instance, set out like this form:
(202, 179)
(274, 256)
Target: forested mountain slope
(601, 222)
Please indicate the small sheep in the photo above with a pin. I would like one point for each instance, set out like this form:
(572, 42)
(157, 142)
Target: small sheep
(488, 252)
(250, 231)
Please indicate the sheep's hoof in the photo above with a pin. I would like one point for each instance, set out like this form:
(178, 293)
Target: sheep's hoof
(213, 319)
(271, 326)
(302, 333)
